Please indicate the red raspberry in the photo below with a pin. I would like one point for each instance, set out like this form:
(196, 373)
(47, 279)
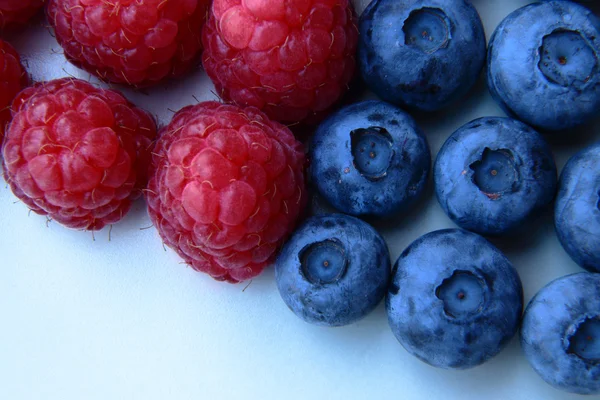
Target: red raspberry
(77, 153)
(292, 59)
(137, 42)
(17, 12)
(12, 79)
(226, 187)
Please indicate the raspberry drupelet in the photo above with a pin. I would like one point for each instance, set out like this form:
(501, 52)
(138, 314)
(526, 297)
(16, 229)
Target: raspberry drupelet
(13, 79)
(77, 153)
(134, 42)
(226, 188)
(15, 13)
(292, 59)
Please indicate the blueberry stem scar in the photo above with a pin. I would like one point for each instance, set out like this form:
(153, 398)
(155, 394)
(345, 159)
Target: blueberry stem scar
(427, 29)
(323, 262)
(462, 293)
(374, 163)
(584, 342)
(495, 172)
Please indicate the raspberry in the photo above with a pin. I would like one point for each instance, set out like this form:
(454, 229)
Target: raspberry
(12, 79)
(77, 153)
(136, 42)
(14, 13)
(292, 59)
(226, 188)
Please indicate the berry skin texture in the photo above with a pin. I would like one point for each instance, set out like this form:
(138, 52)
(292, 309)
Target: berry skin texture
(226, 188)
(560, 333)
(421, 54)
(13, 79)
(543, 65)
(334, 270)
(455, 301)
(133, 42)
(577, 208)
(370, 159)
(77, 153)
(293, 59)
(15, 13)
(493, 175)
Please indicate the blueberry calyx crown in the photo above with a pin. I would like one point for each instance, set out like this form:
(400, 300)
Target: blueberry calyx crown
(567, 59)
(372, 151)
(463, 294)
(495, 172)
(427, 29)
(324, 262)
(583, 340)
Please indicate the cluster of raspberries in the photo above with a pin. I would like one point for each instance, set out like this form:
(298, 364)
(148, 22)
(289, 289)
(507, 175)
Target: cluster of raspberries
(224, 182)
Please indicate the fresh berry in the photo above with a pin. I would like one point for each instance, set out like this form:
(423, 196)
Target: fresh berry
(455, 300)
(77, 153)
(543, 65)
(560, 333)
(13, 79)
(494, 174)
(226, 188)
(14, 13)
(369, 158)
(421, 54)
(334, 270)
(135, 42)
(577, 210)
(293, 59)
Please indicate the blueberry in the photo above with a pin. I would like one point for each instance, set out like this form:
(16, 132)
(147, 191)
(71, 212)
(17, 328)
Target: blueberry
(543, 65)
(494, 174)
(455, 300)
(334, 270)
(577, 210)
(369, 158)
(420, 54)
(560, 333)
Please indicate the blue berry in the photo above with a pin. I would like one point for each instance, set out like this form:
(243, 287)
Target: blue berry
(420, 54)
(455, 300)
(369, 158)
(334, 270)
(494, 174)
(543, 65)
(560, 333)
(577, 210)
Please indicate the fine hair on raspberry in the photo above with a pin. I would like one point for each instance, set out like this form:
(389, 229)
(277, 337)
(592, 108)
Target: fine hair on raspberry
(77, 153)
(226, 188)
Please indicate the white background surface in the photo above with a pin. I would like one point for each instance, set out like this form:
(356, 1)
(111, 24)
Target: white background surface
(85, 317)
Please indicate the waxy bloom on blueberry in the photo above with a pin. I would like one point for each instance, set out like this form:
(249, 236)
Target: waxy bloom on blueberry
(543, 65)
(560, 333)
(370, 158)
(334, 270)
(494, 174)
(421, 54)
(455, 300)
(577, 209)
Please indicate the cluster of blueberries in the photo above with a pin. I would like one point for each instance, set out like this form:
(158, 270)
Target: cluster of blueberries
(454, 300)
